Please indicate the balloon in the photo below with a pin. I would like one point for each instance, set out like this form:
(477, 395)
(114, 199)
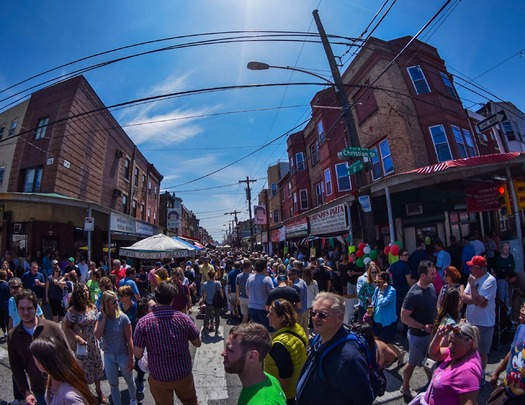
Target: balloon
(394, 250)
(359, 253)
(373, 254)
(399, 243)
(360, 263)
(367, 260)
(361, 246)
(366, 250)
(386, 250)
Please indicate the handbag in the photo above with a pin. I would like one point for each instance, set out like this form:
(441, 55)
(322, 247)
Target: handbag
(219, 301)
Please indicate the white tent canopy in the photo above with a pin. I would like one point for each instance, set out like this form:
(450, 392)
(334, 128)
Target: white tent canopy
(157, 247)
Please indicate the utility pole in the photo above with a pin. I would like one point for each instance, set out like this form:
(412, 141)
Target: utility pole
(236, 226)
(249, 198)
(348, 119)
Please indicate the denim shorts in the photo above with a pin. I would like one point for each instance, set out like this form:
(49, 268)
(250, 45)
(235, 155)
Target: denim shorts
(485, 339)
(417, 349)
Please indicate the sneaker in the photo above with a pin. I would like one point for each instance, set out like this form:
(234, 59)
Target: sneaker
(140, 386)
(133, 402)
(408, 393)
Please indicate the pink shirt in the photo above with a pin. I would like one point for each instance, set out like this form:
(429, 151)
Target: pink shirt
(448, 382)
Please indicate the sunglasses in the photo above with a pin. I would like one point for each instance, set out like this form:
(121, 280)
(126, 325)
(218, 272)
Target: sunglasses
(322, 315)
(458, 332)
(406, 255)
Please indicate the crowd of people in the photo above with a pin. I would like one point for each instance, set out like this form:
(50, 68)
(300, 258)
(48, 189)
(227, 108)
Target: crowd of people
(291, 344)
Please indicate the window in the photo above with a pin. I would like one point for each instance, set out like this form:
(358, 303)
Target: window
(274, 189)
(41, 128)
(32, 180)
(136, 176)
(386, 157)
(509, 131)
(439, 138)
(291, 213)
(294, 202)
(448, 84)
(134, 208)
(143, 180)
(2, 130)
(142, 211)
(13, 127)
(314, 153)
(290, 161)
(289, 190)
(149, 188)
(319, 193)
(275, 215)
(320, 131)
(469, 142)
(459, 142)
(155, 193)
(149, 214)
(303, 197)
(299, 158)
(2, 170)
(127, 163)
(328, 181)
(418, 79)
(343, 179)
(124, 203)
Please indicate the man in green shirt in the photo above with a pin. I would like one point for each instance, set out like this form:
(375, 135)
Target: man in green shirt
(246, 347)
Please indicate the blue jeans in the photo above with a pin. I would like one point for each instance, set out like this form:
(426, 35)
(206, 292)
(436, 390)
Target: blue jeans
(259, 316)
(41, 398)
(112, 364)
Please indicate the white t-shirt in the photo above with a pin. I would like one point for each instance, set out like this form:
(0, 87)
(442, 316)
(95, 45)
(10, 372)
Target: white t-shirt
(479, 316)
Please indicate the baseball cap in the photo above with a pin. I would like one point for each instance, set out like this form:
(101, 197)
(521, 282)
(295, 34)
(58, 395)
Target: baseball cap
(477, 261)
(54, 262)
(71, 259)
(320, 260)
(158, 264)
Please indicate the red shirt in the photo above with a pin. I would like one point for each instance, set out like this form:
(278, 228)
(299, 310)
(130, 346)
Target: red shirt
(165, 333)
(119, 274)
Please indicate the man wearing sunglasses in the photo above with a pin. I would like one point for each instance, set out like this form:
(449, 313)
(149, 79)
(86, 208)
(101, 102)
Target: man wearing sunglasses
(342, 376)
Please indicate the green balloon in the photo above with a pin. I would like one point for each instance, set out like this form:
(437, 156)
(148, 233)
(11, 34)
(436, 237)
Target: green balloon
(373, 254)
(360, 262)
(399, 243)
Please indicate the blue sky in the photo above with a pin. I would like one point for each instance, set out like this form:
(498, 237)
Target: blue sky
(192, 136)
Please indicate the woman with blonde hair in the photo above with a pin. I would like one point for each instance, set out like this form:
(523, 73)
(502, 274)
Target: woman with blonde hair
(289, 342)
(365, 292)
(115, 327)
(66, 381)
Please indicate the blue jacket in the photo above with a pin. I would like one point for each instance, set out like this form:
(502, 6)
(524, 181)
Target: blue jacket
(385, 306)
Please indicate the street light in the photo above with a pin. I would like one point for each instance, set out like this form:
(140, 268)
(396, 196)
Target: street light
(264, 66)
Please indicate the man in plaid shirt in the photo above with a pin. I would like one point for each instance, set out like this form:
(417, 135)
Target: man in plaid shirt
(164, 334)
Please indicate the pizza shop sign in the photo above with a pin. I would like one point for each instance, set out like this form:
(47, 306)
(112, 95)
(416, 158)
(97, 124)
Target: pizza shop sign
(329, 220)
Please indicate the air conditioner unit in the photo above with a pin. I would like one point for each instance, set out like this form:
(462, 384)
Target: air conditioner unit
(117, 193)
(119, 153)
(414, 209)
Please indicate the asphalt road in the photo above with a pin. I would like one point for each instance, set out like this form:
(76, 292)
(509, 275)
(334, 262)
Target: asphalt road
(215, 387)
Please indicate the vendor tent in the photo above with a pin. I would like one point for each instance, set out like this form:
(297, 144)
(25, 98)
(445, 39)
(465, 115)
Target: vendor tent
(157, 247)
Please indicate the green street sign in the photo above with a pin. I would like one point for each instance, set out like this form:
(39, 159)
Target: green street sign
(359, 152)
(355, 167)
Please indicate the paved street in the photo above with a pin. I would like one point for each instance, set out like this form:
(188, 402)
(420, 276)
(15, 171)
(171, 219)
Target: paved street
(215, 387)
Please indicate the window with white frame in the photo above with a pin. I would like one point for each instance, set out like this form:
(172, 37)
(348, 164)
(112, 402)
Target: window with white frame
(441, 146)
(509, 131)
(460, 143)
(149, 214)
(12, 128)
(275, 215)
(314, 154)
(418, 79)
(32, 180)
(299, 159)
(386, 157)
(136, 176)
(343, 179)
(290, 161)
(294, 202)
(319, 193)
(448, 84)
(289, 190)
(303, 198)
(320, 131)
(469, 142)
(328, 181)
(41, 128)
(377, 171)
(124, 203)
(127, 164)
(274, 189)
(134, 208)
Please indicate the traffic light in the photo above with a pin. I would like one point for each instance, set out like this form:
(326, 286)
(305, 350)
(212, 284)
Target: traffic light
(519, 189)
(504, 200)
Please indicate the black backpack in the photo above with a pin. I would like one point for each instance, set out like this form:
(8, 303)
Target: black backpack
(375, 374)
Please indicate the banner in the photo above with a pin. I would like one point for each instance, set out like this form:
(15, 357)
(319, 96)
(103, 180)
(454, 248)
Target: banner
(259, 214)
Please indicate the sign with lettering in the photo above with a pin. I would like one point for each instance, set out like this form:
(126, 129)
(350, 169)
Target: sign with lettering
(484, 198)
(358, 152)
(329, 220)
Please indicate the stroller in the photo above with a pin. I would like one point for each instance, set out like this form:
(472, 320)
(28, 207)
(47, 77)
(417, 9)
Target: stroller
(503, 323)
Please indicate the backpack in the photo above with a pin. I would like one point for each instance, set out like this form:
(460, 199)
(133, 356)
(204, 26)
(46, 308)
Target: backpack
(375, 374)
(219, 301)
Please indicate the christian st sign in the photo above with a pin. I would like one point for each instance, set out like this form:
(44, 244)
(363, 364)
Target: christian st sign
(358, 152)
(484, 198)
